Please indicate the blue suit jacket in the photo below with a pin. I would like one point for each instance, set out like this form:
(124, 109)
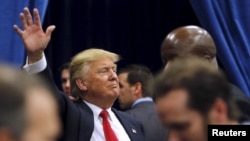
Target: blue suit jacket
(77, 117)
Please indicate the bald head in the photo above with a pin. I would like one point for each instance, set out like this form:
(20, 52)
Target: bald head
(187, 41)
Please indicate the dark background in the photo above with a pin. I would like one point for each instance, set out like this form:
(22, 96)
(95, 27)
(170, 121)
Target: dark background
(132, 28)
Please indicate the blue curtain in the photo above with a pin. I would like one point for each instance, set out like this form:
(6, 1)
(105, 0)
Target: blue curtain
(228, 21)
(11, 47)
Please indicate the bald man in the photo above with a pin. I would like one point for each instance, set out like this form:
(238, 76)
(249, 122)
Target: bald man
(195, 41)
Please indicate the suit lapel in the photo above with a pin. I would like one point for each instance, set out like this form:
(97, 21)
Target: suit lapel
(86, 121)
(129, 128)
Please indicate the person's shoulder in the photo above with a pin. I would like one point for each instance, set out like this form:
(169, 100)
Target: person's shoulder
(140, 107)
(120, 113)
(245, 123)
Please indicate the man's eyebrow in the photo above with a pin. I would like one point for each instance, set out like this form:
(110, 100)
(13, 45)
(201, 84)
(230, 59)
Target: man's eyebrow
(108, 66)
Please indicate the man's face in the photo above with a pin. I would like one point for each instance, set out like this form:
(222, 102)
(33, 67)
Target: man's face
(126, 93)
(65, 79)
(101, 80)
(184, 124)
(43, 119)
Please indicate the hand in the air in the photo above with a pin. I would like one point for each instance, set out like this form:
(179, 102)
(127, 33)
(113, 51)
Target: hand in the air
(34, 38)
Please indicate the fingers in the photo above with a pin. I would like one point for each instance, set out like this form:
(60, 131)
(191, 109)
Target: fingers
(36, 17)
(49, 30)
(28, 16)
(18, 30)
(23, 20)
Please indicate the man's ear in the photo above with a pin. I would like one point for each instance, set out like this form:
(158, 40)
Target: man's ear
(138, 89)
(81, 84)
(219, 111)
(208, 58)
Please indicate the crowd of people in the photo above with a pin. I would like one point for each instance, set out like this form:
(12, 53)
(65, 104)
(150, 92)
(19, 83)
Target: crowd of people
(177, 104)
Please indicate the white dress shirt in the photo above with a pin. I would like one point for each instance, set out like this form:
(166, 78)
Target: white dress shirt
(36, 67)
(98, 133)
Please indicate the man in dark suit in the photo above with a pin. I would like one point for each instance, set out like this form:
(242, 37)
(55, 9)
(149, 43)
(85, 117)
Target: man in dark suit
(93, 79)
(135, 98)
(196, 41)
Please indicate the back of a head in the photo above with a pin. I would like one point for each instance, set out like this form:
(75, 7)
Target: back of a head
(12, 101)
(204, 83)
(79, 65)
(185, 41)
(141, 74)
(17, 90)
(42, 111)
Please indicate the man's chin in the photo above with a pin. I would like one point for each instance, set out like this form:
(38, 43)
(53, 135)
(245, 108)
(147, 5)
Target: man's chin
(68, 93)
(115, 93)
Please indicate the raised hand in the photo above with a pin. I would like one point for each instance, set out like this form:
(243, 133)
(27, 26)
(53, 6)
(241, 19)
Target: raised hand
(34, 38)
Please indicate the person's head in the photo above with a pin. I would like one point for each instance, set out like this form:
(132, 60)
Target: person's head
(65, 78)
(134, 84)
(94, 78)
(24, 102)
(42, 112)
(188, 41)
(191, 94)
(13, 120)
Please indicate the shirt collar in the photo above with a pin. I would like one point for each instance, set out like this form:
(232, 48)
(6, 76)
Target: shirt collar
(143, 99)
(97, 110)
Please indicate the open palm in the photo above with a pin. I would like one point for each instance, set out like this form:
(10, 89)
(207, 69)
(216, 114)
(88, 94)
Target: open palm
(34, 38)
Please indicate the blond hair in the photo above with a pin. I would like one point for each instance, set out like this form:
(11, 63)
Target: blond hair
(79, 65)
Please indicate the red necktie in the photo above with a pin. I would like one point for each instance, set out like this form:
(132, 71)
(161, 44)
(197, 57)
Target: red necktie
(108, 132)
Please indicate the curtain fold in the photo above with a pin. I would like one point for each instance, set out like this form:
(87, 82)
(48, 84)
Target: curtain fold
(228, 22)
(11, 47)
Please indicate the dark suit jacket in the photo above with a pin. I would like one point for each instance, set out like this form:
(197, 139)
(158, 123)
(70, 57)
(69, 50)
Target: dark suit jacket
(146, 113)
(77, 117)
(242, 101)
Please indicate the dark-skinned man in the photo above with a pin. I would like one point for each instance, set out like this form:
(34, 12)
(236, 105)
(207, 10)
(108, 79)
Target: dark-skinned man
(195, 41)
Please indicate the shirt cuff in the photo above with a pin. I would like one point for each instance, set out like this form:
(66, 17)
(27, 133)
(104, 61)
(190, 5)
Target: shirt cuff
(36, 67)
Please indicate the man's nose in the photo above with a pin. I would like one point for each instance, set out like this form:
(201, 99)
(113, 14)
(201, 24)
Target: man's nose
(68, 84)
(113, 75)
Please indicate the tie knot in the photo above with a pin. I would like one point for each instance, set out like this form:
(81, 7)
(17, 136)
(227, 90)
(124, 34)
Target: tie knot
(104, 114)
